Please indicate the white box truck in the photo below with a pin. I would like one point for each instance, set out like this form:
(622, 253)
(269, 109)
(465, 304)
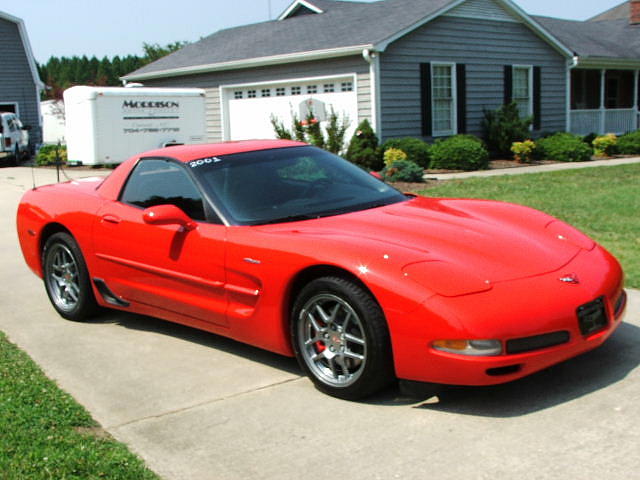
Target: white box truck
(107, 125)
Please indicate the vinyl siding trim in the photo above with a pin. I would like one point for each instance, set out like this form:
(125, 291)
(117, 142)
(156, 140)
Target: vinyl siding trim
(250, 63)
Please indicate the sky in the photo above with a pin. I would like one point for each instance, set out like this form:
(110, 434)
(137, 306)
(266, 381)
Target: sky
(120, 27)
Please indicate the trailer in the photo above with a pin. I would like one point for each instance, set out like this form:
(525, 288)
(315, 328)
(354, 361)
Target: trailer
(107, 125)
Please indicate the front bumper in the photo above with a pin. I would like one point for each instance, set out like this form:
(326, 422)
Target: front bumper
(533, 307)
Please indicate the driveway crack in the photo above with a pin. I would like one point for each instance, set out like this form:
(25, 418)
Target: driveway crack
(196, 405)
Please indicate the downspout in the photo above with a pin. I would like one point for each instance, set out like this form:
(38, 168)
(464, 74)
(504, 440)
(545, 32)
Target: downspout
(571, 64)
(373, 59)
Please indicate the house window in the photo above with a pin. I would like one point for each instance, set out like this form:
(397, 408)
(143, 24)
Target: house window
(280, 92)
(443, 90)
(312, 89)
(265, 92)
(251, 94)
(346, 87)
(238, 94)
(522, 88)
(328, 88)
(295, 91)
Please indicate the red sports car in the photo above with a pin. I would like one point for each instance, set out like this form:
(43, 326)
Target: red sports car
(292, 249)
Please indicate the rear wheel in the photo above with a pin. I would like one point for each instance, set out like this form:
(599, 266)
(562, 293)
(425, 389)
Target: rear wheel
(341, 339)
(66, 278)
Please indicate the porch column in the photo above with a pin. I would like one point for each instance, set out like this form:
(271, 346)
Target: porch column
(603, 112)
(636, 75)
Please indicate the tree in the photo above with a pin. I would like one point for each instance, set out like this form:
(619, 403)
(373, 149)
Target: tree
(60, 73)
(153, 51)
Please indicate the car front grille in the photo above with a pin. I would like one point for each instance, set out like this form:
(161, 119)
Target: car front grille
(536, 342)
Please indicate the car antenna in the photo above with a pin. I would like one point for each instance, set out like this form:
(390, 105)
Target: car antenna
(33, 172)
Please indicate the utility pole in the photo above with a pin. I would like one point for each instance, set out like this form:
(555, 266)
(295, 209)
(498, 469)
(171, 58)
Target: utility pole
(269, 3)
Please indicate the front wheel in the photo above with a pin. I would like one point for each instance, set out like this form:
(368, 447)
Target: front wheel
(66, 278)
(340, 338)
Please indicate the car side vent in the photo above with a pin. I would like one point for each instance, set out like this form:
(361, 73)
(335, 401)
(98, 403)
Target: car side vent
(536, 342)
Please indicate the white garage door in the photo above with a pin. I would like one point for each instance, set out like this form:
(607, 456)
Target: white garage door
(249, 108)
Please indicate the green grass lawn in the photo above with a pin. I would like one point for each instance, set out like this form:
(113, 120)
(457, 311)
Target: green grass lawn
(603, 202)
(45, 434)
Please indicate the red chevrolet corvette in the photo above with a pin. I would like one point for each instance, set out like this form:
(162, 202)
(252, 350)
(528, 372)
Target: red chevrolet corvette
(292, 249)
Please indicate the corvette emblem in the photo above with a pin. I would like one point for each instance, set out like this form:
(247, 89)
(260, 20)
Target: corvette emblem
(570, 278)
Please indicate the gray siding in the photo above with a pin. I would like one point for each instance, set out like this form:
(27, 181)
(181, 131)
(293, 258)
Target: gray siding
(484, 46)
(212, 81)
(16, 81)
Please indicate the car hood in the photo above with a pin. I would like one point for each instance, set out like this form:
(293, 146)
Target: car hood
(493, 241)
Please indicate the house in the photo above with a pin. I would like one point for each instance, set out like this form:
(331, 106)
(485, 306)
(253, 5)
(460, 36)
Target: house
(422, 68)
(20, 84)
(603, 80)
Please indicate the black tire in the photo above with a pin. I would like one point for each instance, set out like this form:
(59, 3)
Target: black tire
(66, 278)
(340, 338)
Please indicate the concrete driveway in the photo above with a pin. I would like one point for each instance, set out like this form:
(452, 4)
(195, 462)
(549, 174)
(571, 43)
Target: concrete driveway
(197, 406)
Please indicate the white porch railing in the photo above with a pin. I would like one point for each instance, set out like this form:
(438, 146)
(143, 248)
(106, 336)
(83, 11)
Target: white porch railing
(620, 120)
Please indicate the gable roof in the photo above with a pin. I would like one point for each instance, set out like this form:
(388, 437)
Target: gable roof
(613, 41)
(618, 12)
(27, 47)
(343, 28)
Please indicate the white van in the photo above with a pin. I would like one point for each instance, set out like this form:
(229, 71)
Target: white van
(14, 139)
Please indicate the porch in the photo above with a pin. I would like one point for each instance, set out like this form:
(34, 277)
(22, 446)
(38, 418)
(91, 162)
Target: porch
(604, 101)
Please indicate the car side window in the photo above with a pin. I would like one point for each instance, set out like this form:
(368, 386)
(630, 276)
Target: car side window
(160, 182)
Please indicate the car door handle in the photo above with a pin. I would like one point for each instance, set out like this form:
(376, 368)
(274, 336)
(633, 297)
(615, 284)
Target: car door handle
(111, 219)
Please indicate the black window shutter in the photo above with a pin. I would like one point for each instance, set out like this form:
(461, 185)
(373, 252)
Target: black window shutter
(537, 102)
(508, 84)
(461, 96)
(425, 90)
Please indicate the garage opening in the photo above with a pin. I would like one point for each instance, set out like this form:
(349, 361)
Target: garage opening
(248, 109)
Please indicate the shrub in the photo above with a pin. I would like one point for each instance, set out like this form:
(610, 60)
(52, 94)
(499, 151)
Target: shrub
(523, 151)
(310, 131)
(588, 139)
(417, 151)
(336, 129)
(403, 171)
(278, 127)
(363, 148)
(47, 154)
(564, 147)
(629, 144)
(393, 154)
(605, 145)
(502, 127)
(459, 153)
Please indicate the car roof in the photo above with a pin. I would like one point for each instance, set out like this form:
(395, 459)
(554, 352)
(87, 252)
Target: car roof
(187, 153)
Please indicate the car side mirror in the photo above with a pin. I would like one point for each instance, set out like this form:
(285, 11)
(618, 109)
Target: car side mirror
(168, 215)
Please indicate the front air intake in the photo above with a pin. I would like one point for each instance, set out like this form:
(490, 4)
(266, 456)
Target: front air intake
(536, 342)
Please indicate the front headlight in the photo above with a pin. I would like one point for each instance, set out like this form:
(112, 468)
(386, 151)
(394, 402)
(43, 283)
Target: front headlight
(476, 348)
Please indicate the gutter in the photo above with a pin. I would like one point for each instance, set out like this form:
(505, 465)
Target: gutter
(250, 63)
(373, 59)
(607, 62)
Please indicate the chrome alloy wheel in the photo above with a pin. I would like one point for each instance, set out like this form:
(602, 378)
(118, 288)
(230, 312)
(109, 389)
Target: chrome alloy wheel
(62, 278)
(332, 340)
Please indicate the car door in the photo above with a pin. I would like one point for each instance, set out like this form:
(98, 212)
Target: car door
(166, 267)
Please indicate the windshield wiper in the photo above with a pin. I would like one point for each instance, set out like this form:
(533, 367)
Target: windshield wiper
(289, 218)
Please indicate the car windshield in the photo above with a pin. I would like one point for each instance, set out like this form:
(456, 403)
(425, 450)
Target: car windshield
(289, 184)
